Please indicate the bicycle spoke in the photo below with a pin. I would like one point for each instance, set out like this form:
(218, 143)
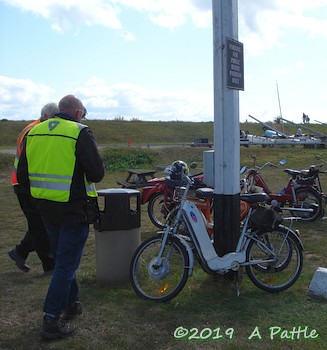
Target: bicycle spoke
(159, 278)
(277, 266)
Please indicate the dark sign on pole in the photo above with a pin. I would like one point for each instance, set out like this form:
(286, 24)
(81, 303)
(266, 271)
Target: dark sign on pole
(235, 64)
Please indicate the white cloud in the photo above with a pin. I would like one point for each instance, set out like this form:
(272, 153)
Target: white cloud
(132, 100)
(262, 27)
(15, 93)
(69, 14)
(263, 23)
(106, 101)
(127, 36)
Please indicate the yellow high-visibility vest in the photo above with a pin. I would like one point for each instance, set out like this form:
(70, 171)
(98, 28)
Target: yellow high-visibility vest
(50, 152)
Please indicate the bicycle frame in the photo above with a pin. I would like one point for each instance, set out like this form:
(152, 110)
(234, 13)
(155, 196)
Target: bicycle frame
(161, 185)
(204, 247)
(286, 195)
(202, 198)
(156, 185)
(288, 192)
(161, 265)
(193, 218)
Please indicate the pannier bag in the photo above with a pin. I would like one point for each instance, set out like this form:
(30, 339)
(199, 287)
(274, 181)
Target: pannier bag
(265, 219)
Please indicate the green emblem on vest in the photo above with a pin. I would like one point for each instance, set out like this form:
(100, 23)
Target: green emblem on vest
(53, 124)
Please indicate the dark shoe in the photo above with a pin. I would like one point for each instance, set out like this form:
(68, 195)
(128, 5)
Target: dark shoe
(20, 262)
(55, 328)
(72, 311)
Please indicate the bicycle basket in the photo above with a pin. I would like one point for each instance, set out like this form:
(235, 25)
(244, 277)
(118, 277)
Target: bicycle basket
(265, 219)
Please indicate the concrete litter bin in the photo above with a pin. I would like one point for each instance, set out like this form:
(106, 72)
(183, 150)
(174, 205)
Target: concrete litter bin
(117, 235)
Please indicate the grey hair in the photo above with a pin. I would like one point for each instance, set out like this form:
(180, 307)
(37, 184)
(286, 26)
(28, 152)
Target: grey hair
(50, 109)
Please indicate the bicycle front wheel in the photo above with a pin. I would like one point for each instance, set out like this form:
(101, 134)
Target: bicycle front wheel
(159, 279)
(275, 260)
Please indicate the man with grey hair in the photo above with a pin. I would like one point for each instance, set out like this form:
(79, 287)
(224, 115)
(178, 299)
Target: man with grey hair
(36, 238)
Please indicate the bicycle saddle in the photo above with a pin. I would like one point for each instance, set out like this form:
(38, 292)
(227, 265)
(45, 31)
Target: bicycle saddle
(254, 197)
(292, 172)
(204, 192)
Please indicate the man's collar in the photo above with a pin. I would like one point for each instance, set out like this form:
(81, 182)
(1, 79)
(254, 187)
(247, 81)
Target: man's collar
(66, 116)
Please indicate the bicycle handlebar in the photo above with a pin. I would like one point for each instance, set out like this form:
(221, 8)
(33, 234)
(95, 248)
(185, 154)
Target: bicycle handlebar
(266, 164)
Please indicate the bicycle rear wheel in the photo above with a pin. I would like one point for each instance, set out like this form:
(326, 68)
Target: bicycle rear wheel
(307, 199)
(158, 209)
(275, 264)
(272, 240)
(159, 279)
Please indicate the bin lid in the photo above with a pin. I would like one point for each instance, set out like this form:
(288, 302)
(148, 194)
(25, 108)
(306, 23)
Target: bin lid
(117, 191)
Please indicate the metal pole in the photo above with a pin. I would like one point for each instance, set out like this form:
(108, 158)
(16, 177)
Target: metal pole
(226, 132)
(280, 109)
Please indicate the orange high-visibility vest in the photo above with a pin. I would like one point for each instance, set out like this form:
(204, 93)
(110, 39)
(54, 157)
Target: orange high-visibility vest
(19, 142)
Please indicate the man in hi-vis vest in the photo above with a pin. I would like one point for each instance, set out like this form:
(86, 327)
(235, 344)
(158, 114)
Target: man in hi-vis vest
(60, 163)
(36, 238)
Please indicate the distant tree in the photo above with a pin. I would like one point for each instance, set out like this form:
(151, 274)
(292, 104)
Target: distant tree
(119, 118)
(135, 119)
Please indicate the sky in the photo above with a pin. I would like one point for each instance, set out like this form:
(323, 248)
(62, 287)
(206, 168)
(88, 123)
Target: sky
(152, 60)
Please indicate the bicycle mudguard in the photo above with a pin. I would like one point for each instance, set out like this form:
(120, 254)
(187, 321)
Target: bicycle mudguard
(148, 191)
(294, 234)
(189, 252)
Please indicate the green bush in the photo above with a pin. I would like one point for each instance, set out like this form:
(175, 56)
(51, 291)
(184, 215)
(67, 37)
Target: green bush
(124, 158)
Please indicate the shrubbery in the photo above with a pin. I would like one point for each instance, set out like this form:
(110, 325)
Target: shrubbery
(124, 158)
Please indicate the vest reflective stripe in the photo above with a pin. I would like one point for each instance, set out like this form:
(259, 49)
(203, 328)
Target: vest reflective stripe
(49, 176)
(50, 185)
(90, 189)
(38, 181)
(19, 141)
(50, 173)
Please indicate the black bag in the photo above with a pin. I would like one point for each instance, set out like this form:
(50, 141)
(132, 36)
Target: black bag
(307, 181)
(265, 219)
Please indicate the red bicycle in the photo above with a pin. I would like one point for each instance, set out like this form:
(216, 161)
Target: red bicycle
(164, 199)
(302, 199)
(162, 196)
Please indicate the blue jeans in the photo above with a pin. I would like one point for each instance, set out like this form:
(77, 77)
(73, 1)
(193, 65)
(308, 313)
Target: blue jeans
(67, 244)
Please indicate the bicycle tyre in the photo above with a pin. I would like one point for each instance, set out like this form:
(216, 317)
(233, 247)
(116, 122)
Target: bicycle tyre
(271, 242)
(159, 282)
(309, 199)
(284, 271)
(158, 209)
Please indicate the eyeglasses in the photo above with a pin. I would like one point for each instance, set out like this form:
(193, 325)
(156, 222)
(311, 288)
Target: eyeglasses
(84, 113)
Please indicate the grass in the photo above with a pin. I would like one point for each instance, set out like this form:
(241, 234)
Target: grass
(116, 318)
(116, 132)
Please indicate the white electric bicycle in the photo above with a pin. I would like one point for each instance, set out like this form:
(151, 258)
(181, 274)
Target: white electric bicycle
(270, 252)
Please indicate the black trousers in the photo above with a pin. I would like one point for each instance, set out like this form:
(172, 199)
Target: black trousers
(36, 238)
